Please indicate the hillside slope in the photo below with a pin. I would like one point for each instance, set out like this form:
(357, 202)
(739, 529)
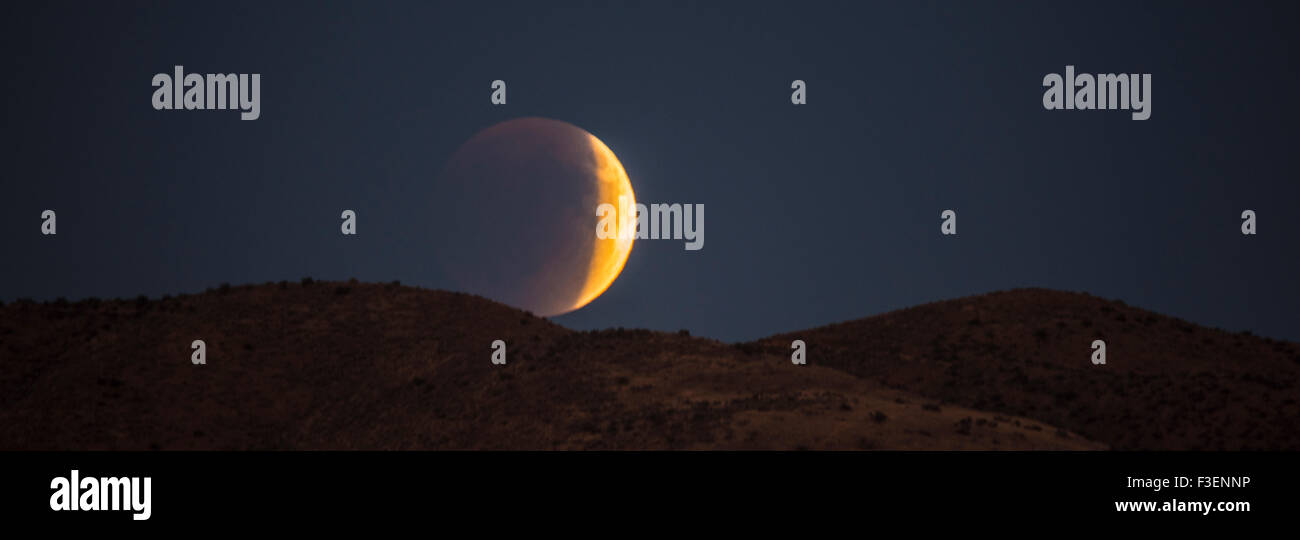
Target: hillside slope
(1167, 383)
(371, 366)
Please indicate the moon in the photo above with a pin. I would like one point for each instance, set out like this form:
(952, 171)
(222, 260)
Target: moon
(516, 215)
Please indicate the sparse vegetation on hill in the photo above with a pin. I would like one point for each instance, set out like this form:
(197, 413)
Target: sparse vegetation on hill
(1167, 383)
(334, 365)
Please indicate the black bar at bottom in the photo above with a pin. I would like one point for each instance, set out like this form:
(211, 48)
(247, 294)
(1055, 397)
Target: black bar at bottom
(328, 488)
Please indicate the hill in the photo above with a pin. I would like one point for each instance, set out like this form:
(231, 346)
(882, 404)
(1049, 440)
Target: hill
(317, 365)
(1167, 383)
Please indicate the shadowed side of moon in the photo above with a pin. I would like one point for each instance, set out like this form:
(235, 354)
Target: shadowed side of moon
(516, 215)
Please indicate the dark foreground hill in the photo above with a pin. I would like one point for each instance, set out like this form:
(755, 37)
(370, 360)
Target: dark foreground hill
(1166, 384)
(369, 366)
(359, 366)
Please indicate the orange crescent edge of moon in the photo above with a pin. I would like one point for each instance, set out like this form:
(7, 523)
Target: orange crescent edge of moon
(608, 256)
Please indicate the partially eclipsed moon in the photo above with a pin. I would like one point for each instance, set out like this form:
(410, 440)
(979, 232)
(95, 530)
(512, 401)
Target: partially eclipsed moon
(517, 217)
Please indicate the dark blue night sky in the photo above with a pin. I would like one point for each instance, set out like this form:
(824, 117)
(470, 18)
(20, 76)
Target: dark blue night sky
(815, 213)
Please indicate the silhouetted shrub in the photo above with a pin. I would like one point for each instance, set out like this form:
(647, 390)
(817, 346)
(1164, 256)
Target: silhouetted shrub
(224, 288)
(307, 281)
(341, 290)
